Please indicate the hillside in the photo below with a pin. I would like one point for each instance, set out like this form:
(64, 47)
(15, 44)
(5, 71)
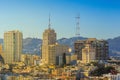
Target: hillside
(32, 45)
(114, 46)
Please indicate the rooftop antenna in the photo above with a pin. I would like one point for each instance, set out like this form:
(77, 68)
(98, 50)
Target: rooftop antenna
(78, 26)
(49, 25)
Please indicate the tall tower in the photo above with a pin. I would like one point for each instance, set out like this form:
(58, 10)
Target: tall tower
(78, 26)
(49, 40)
(12, 46)
(49, 35)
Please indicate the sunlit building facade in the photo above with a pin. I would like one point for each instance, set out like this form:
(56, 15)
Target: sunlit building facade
(12, 46)
(51, 49)
(48, 46)
(88, 54)
(101, 48)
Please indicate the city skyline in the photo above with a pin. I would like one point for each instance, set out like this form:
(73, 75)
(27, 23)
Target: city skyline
(99, 19)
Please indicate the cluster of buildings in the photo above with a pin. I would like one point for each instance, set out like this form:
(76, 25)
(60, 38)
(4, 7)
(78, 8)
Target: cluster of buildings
(86, 51)
(91, 50)
(52, 52)
(56, 60)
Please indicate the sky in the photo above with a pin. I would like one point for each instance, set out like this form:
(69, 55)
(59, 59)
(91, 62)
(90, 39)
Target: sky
(98, 18)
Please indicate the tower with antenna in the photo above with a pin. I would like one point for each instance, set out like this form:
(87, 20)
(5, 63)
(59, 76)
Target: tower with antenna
(77, 26)
(49, 25)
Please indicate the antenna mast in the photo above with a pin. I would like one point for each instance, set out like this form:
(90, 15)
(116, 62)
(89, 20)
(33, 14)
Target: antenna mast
(49, 25)
(78, 26)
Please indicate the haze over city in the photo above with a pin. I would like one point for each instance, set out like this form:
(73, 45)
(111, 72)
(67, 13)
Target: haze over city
(98, 18)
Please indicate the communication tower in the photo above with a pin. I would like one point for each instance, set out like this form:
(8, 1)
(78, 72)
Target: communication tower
(77, 26)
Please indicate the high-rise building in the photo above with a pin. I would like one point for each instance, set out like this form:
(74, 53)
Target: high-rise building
(48, 47)
(49, 37)
(12, 46)
(100, 46)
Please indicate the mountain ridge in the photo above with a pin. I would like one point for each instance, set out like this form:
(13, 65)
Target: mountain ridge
(33, 45)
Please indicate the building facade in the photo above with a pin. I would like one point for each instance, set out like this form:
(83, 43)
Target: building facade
(88, 54)
(51, 49)
(12, 46)
(100, 46)
(48, 46)
(1, 49)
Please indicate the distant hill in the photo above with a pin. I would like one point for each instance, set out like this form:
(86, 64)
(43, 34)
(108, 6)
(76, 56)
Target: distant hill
(32, 45)
(70, 41)
(1, 41)
(114, 46)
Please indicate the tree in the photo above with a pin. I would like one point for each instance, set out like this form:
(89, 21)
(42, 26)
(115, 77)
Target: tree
(103, 70)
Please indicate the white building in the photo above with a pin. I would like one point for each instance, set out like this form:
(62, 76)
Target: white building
(88, 54)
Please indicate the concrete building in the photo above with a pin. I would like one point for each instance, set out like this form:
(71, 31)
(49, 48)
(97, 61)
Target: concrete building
(59, 60)
(29, 59)
(1, 49)
(12, 46)
(88, 54)
(50, 48)
(60, 49)
(68, 59)
(1, 54)
(100, 46)
(73, 57)
(51, 52)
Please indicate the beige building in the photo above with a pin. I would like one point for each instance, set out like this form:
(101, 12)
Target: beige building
(88, 54)
(50, 48)
(1, 49)
(29, 59)
(12, 46)
(73, 57)
(60, 49)
(68, 59)
(1, 55)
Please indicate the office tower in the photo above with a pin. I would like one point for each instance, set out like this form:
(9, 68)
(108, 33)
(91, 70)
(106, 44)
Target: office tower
(49, 37)
(51, 49)
(48, 46)
(100, 46)
(12, 46)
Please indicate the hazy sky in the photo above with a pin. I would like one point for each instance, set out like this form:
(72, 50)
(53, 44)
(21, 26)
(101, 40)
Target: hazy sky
(98, 18)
